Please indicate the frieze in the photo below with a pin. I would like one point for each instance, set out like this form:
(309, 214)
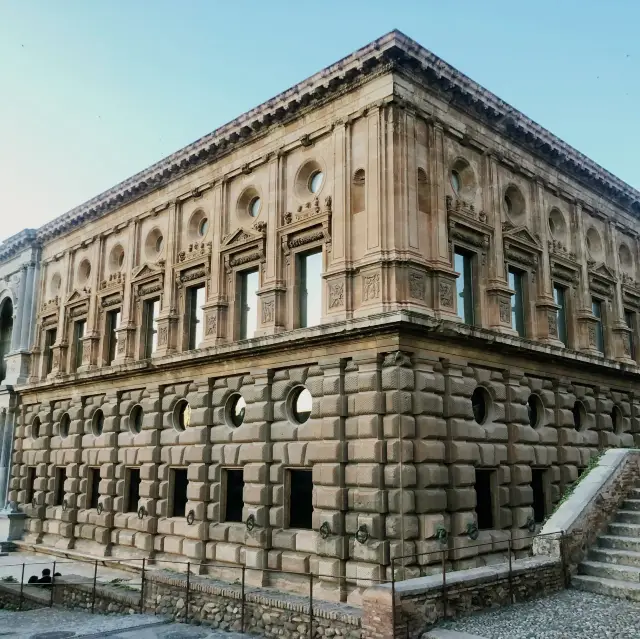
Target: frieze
(268, 311)
(77, 311)
(237, 260)
(591, 330)
(564, 272)
(112, 300)
(336, 294)
(446, 294)
(115, 279)
(370, 287)
(50, 305)
(194, 251)
(558, 248)
(148, 289)
(526, 259)
(505, 312)
(461, 207)
(417, 286)
(163, 335)
(306, 238)
(191, 274)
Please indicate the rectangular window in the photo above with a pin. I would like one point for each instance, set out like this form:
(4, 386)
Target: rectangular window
(78, 341)
(516, 283)
(300, 499)
(630, 321)
(539, 498)
(30, 486)
(178, 483)
(150, 321)
(463, 263)
(560, 298)
(248, 304)
(132, 487)
(113, 322)
(58, 489)
(93, 488)
(195, 315)
(596, 309)
(484, 498)
(49, 341)
(310, 280)
(234, 494)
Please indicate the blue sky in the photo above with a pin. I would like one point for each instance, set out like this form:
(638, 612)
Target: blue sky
(92, 91)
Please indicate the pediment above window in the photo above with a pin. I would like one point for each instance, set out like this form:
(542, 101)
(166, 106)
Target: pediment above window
(148, 279)
(521, 246)
(564, 269)
(602, 279)
(114, 282)
(244, 246)
(310, 213)
(194, 252)
(464, 210)
(78, 296)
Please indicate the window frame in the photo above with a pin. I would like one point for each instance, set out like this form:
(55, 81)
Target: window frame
(520, 275)
(149, 327)
(111, 335)
(302, 295)
(470, 259)
(194, 314)
(493, 491)
(171, 503)
(631, 320)
(47, 350)
(241, 305)
(562, 311)
(224, 494)
(60, 473)
(126, 501)
(77, 343)
(289, 473)
(601, 342)
(93, 473)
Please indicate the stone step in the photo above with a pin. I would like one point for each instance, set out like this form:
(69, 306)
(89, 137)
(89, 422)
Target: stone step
(631, 504)
(625, 529)
(619, 542)
(628, 517)
(610, 587)
(619, 557)
(610, 571)
(634, 493)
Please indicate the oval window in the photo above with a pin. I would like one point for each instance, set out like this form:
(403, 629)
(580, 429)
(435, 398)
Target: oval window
(480, 402)
(182, 415)
(203, 227)
(236, 407)
(159, 243)
(535, 410)
(97, 423)
(65, 423)
(455, 181)
(135, 419)
(315, 181)
(301, 403)
(254, 207)
(35, 428)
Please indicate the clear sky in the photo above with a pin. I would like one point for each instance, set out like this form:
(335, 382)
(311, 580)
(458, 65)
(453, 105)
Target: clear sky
(92, 91)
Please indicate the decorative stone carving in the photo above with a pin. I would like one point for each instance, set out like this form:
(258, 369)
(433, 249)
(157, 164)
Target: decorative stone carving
(121, 345)
(336, 294)
(446, 294)
(260, 226)
(163, 336)
(211, 323)
(505, 312)
(194, 251)
(268, 311)
(416, 286)
(592, 335)
(460, 206)
(626, 345)
(552, 320)
(371, 287)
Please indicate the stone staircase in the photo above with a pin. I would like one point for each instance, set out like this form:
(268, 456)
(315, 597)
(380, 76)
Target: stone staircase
(612, 566)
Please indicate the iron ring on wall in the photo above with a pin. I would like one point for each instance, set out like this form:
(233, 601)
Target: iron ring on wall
(99, 508)
(472, 530)
(362, 534)
(250, 523)
(325, 530)
(191, 517)
(65, 505)
(141, 512)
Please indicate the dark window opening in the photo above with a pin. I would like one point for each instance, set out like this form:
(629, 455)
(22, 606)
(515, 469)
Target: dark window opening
(30, 487)
(150, 322)
(539, 501)
(195, 315)
(249, 285)
(310, 292)
(58, 492)
(234, 494)
(113, 322)
(49, 341)
(6, 331)
(484, 499)
(300, 499)
(178, 483)
(596, 309)
(78, 341)
(516, 283)
(94, 487)
(630, 321)
(464, 285)
(133, 489)
(560, 298)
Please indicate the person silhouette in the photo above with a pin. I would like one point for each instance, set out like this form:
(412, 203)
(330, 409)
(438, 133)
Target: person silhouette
(46, 577)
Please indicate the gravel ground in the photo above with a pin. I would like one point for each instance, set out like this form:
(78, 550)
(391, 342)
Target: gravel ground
(572, 614)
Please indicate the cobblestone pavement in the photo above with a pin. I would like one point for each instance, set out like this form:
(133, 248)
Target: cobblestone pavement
(572, 614)
(57, 623)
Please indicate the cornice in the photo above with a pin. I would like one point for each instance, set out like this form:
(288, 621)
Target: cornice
(393, 51)
(26, 238)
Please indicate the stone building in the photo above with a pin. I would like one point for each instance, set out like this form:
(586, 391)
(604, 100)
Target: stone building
(383, 314)
(19, 273)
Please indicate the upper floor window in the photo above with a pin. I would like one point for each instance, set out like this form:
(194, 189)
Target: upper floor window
(560, 298)
(310, 281)
(195, 315)
(150, 324)
(463, 263)
(516, 283)
(113, 322)
(596, 309)
(630, 321)
(248, 281)
(78, 341)
(6, 331)
(49, 340)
